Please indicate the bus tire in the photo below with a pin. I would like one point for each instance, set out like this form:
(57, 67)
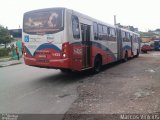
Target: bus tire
(145, 51)
(125, 57)
(137, 55)
(97, 64)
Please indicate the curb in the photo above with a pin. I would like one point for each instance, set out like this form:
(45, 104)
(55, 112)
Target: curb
(6, 65)
(5, 60)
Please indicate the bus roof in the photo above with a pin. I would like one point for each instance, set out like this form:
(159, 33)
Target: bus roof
(92, 19)
(83, 16)
(125, 30)
(44, 9)
(74, 12)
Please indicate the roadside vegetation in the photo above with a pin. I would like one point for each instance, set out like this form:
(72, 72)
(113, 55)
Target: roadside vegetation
(5, 39)
(4, 52)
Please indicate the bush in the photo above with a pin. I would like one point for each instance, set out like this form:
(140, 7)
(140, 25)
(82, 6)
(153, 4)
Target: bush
(4, 52)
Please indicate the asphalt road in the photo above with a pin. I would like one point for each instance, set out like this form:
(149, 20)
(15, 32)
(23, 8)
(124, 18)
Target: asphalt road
(131, 87)
(25, 89)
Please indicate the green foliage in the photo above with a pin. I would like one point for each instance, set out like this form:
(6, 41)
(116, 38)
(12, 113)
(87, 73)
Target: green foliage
(5, 37)
(4, 52)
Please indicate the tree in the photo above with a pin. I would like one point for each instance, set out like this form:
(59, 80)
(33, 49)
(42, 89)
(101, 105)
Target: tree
(5, 36)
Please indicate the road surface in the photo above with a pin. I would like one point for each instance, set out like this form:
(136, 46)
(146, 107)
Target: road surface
(25, 89)
(131, 87)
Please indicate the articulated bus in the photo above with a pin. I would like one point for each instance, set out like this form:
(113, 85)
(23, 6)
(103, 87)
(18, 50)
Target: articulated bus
(64, 39)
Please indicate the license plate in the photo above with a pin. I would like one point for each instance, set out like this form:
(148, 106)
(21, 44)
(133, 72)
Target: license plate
(42, 56)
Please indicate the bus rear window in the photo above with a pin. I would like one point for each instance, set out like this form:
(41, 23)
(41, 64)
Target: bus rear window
(47, 22)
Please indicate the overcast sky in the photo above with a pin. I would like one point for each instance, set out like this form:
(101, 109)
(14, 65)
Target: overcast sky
(143, 14)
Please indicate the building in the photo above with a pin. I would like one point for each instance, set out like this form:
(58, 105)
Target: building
(146, 39)
(16, 34)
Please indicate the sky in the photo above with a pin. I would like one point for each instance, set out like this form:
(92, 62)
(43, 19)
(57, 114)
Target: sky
(143, 14)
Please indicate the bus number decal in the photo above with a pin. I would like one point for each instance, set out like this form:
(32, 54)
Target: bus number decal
(77, 51)
(56, 54)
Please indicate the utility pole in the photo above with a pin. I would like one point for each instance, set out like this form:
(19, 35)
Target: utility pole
(115, 20)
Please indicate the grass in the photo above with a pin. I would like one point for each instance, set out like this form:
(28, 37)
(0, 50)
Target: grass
(5, 57)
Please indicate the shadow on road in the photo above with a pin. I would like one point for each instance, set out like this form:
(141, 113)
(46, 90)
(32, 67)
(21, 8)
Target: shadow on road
(64, 78)
(74, 77)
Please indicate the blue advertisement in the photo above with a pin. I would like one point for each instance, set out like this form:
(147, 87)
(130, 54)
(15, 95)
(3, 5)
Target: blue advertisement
(26, 38)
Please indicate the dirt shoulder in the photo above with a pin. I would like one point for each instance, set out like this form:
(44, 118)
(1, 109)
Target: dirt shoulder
(131, 87)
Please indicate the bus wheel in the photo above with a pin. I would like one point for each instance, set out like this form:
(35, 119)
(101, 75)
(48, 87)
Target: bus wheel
(97, 64)
(137, 53)
(145, 51)
(125, 57)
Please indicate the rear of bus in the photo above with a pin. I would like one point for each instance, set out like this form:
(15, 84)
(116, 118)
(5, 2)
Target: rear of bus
(44, 43)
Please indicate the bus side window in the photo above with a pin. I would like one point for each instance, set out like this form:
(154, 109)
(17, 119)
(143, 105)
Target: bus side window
(75, 27)
(100, 32)
(136, 39)
(95, 31)
(123, 36)
(128, 37)
(108, 31)
(105, 32)
(113, 34)
(133, 38)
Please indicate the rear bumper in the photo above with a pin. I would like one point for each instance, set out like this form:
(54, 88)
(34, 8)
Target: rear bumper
(56, 63)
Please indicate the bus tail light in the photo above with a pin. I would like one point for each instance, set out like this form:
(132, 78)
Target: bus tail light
(65, 49)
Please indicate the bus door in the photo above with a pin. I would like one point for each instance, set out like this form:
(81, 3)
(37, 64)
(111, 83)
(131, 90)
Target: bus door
(132, 45)
(119, 44)
(86, 55)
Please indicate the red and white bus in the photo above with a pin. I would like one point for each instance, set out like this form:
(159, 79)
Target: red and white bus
(64, 39)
